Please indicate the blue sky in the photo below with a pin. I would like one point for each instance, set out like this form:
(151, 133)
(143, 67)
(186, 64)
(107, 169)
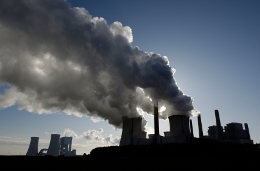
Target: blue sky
(213, 45)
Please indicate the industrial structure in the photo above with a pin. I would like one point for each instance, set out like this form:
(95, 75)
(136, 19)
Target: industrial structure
(33, 147)
(132, 133)
(181, 131)
(132, 129)
(58, 146)
(65, 146)
(191, 129)
(200, 127)
(54, 146)
(232, 132)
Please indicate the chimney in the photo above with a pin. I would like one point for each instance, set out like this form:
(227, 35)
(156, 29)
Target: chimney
(156, 119)
(191, 129)
(200, 127)
(247, 131)
(219, 127)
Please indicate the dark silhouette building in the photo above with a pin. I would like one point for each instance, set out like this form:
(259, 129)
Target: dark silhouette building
(219, 127)
(200, 127)
(232, 132)
(191, 129)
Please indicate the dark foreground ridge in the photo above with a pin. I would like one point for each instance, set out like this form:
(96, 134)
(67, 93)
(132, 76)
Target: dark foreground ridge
(197, 148)
(198, 154)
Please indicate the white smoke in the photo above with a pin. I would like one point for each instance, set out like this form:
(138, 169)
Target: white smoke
(96, 136)
(149, 130)
(56, 58)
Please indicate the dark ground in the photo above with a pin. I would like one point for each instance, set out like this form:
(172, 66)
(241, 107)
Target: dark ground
(196, 155)
(129, 163)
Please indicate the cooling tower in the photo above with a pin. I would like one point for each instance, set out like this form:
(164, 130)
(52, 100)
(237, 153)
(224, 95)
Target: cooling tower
(179, 125)
(54, 147)
(33, 147)
(191, 129)
(200, 127)
(156, 120)
(132, 127)
(247, 131)
(219, 127)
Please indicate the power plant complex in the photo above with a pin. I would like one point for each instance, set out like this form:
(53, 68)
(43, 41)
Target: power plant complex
(58, 146)
(181, 131)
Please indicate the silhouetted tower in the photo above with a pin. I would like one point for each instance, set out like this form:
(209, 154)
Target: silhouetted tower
(33, 147)
(191, 129)
(65, 145)
(247, 131)
(179, 126)
(132, 128)
(200, 127)
(54, 146)
(156, 120)
(219, 127)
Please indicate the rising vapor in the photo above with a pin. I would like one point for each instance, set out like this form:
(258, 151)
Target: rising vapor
(55, 58)
(93, 136)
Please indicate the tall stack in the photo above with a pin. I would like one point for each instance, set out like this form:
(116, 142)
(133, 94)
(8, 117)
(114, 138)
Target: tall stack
(191, 129)
(219, 127)
(156, 120)
(247, 131)
(200, 127)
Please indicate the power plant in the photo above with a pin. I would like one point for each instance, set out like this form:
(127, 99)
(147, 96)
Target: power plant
(232, 132)
(132, 133)
(181, 131)
(58, 146)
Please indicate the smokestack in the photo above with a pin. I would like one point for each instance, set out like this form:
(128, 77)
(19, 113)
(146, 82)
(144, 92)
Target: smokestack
(156, 119)
(200, 127)
(247, 131)
(219, 127)
(191, 129)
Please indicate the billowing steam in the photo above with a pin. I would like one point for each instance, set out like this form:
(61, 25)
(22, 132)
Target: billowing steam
(55, 58)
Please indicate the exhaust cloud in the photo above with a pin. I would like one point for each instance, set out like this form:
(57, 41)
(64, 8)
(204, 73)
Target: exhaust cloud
(58, 58)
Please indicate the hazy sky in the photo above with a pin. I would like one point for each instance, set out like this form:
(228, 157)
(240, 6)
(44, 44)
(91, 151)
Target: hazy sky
(214, 46)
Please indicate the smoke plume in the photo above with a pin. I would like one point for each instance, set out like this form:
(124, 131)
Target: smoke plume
(58, 58)
(93, 136)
